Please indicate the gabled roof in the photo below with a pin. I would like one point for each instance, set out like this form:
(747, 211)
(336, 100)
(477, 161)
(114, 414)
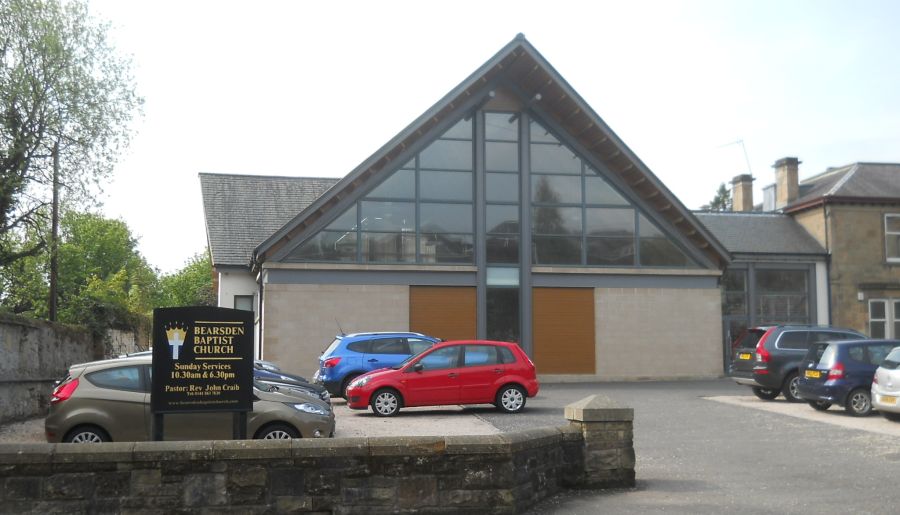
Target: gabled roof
(760, 233)
(242, 210)
(518, 66)
(869, 182)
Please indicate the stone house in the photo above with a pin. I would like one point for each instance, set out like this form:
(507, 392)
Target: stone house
(509, 210)
(853, 214)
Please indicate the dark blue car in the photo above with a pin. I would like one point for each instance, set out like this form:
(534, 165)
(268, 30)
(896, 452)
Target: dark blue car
(841, 373)
(351, 355)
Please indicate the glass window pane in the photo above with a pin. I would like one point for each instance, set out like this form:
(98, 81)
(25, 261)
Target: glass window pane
(387, 216)
(402, 184)
(462, 130)
(607, 222)
(445, 185)
(735, 280)
(892, 243)
(556, 220)
(502, 249)
(877, 309)
(877, 330)
(345, 222)
(120, 378)
(539, 133)
(554, 158)
(734, 304)
(448, 357)
(502, 219)
(555, 189)
(447, 155)
(498, 276)
(503, 314)
(480, 355)
(327, 246)
(501, 126)
(793, 340)
(658, 250)
(501, 187)
(782, 296)
(892, 223)
(556, 250)
(598, 191)
(445, 217)
(610, 251)
(897, 313)
(446, 248)
(388, 247)
(501, 157)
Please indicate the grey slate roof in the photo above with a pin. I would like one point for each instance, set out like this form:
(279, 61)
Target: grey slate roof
(243, 210)
(760, 233)
(857, 180)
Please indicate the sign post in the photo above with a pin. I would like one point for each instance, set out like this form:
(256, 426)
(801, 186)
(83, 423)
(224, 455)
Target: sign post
(202, 362)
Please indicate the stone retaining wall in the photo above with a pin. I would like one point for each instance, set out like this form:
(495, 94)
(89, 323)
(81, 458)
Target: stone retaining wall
(503, 473)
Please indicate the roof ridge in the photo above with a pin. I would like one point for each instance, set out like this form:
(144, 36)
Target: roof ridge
(843, 180)
(265, 176)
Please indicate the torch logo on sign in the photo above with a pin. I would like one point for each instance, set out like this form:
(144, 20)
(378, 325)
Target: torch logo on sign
(175, 334)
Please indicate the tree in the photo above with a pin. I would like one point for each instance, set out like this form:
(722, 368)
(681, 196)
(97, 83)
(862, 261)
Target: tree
(65, 96)
(190, 286)
(722, 200)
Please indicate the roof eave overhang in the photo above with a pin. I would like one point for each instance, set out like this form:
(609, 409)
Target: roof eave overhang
(830, 199)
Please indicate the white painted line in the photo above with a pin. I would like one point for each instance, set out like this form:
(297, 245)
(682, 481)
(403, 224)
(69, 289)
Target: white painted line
(835, 415)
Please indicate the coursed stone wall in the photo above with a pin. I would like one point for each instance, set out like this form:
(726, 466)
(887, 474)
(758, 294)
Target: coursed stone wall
(503, 473)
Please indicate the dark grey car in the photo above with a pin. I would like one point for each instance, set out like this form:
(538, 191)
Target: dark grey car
(767, 358)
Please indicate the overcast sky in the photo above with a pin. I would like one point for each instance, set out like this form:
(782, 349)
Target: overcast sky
(313, 88)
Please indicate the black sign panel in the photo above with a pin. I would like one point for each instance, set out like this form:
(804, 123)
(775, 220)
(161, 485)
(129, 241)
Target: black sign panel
(202, 360)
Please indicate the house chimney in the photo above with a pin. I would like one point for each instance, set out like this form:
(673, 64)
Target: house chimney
(742, 193)
(787, 182)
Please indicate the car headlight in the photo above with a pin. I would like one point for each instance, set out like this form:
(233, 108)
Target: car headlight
(310, 408)
(358, 383)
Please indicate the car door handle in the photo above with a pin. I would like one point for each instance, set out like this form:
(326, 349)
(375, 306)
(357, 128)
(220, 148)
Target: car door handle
(373, 360)
(452, 374)
(498, 370)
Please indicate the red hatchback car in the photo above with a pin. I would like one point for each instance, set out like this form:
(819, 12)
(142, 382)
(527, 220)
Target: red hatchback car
(455, 372)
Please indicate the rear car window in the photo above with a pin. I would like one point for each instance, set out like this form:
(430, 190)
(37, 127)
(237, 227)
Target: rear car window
(749, 339)
(478, 355)
(506, 355)
(877, 353)
(892, 361)
(793, 340)
(331, 348)
(119, 378)
(362, 346)
(857, 353)
(389, 346)
(828, 356)
(815, 352)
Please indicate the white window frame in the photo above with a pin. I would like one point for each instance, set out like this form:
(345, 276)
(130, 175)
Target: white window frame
(891, 320)
(887, 233)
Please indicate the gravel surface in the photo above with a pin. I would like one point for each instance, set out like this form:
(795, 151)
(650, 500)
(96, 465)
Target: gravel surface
(28, 431)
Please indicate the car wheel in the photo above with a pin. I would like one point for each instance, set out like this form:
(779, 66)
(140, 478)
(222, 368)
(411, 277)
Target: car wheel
(766, 394)
(895, 417)
(791, 389)
(385, 403)
(859, 403)
(510, 399)
(346, 384)
(819, 405)
(277, 432)
(87, 434)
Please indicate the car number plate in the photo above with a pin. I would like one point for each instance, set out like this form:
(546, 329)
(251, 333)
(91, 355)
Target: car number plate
(888, 399)
(813, 374)
(744, 355)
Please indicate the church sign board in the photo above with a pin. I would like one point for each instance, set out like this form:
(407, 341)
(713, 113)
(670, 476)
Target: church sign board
(202, 360)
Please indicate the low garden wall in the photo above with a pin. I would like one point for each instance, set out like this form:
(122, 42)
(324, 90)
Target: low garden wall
(504, 473)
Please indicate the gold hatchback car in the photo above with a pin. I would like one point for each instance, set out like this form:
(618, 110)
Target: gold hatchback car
(109, 401)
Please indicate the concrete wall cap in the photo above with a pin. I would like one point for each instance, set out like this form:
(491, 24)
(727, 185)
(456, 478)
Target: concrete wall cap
(106, 452)
(476, 444)
(251, 449)
(329, 447)
(406, 445)
(598, 408)
(173, 451)
(12, 453)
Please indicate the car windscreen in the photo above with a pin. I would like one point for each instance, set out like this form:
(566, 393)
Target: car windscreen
(892, 361)
(407, 360)
(749, 339)
(828, 356)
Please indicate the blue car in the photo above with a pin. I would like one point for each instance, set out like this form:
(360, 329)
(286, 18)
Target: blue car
(841, 373)
(351, 355)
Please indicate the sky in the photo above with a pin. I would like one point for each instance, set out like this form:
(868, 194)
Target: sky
(701, 91)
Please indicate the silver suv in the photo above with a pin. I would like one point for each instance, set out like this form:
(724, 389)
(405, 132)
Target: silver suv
(109, 400)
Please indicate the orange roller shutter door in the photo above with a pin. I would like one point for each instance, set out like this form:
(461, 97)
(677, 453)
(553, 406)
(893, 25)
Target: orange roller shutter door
(563, 330)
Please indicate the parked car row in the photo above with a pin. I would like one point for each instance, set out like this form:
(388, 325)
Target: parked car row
(823, 366)
(109, 400)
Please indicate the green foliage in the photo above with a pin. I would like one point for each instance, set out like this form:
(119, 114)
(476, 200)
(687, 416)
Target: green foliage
(61, 86)
(722, 200)
(190, 286)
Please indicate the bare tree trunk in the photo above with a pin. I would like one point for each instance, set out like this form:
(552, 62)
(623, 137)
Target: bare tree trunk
(54, 236)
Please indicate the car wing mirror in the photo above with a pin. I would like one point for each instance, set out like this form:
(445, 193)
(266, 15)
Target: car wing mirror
(418, 367)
